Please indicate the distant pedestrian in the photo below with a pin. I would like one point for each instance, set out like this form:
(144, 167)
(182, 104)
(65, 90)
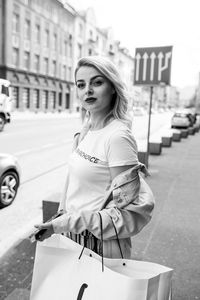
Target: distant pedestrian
(103, 175)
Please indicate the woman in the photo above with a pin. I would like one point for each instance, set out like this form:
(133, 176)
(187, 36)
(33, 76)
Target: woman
(103, 167)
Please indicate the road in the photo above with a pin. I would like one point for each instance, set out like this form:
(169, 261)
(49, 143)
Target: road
(42, 147)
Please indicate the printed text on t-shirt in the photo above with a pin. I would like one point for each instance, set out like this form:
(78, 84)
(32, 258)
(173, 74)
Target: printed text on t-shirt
(92, 159)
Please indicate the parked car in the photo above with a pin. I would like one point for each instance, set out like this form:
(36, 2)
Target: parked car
(9, 179)
(182, 119)
(5, 102)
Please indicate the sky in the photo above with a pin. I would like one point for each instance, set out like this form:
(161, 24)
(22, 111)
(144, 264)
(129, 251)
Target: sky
(155, 23)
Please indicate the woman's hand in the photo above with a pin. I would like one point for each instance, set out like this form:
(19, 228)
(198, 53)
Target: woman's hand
(45, 231)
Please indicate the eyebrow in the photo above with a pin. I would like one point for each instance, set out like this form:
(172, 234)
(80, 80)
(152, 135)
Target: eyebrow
(94, 77)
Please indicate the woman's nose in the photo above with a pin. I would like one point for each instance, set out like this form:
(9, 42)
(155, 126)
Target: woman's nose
(89, 89)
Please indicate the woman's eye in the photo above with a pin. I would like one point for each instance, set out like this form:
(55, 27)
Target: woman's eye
(80, 85)
(97, 82)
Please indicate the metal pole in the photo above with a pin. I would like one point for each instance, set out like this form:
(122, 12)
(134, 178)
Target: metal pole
(149, 124)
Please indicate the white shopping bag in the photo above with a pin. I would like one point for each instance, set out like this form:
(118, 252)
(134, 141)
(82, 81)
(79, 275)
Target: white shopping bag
(60, 274)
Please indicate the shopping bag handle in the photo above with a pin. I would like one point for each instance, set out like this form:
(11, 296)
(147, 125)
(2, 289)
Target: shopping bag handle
(120, 249)
(102, 251)
(101, 228)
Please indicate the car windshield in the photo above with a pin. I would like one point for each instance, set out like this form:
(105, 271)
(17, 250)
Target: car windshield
(180, 115)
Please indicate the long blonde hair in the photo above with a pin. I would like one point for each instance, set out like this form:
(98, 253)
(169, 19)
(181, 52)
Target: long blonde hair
(119, 108)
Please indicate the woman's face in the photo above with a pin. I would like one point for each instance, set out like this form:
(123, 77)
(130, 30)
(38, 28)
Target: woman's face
(95, 92)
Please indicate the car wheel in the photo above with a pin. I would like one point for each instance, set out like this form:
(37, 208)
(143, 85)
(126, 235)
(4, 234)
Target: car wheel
(2, 123)
(9, 183)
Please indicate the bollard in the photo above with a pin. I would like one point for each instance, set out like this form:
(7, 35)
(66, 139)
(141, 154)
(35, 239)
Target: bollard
(176, 137)
(184, 133)
(155, 148)
(143, 157)
(191, 130)
(166, 141)
(196, 128)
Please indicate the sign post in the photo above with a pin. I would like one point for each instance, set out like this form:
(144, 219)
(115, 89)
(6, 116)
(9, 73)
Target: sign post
(152, 67)
(149, 122)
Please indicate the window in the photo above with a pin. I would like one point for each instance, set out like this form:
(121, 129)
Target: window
(70, 53)
(91, 34)
(15, 57)
(54, 68)
(65, 48)
(27, 29)
(54, 41)
(36, 102)
(69, 73)
(64, 72)
(67, 100)
(15, 96)
(52, 100)
(45, 99)
(37, 33)
(36, 63)
(25, 98)
(26, 60)
(46, 65)
(15, 22)
(61, 45)
(80, 30)
(46, 37)
(79, 51)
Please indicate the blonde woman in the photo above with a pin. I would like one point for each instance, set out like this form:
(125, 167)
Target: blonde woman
(103, 176)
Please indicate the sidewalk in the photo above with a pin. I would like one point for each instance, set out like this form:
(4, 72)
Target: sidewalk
(171, 238)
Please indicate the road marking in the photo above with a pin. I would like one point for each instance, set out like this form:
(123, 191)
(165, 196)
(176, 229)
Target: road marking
(47, 146)
(25, 151)
(44, 173)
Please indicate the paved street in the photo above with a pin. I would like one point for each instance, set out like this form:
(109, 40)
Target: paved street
(172, 237)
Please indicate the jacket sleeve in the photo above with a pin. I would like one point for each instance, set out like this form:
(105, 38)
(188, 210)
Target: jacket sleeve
(128, 221)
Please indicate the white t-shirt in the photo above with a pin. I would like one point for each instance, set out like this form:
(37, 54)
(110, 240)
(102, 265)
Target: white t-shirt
(89, 173)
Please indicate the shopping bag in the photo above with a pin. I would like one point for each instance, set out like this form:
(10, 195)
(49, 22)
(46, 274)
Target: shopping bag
(60, 273)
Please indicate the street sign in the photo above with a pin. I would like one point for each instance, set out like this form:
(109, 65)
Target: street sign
(152, 65)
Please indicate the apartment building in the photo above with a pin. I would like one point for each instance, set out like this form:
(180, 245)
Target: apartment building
(41, 42)
(37, 53)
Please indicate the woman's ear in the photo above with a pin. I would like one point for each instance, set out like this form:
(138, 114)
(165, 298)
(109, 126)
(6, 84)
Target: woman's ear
(113, 91)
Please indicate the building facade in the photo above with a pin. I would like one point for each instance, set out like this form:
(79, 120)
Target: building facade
(41, 42)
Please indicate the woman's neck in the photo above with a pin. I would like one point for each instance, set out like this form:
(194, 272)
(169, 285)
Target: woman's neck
(98, 122)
